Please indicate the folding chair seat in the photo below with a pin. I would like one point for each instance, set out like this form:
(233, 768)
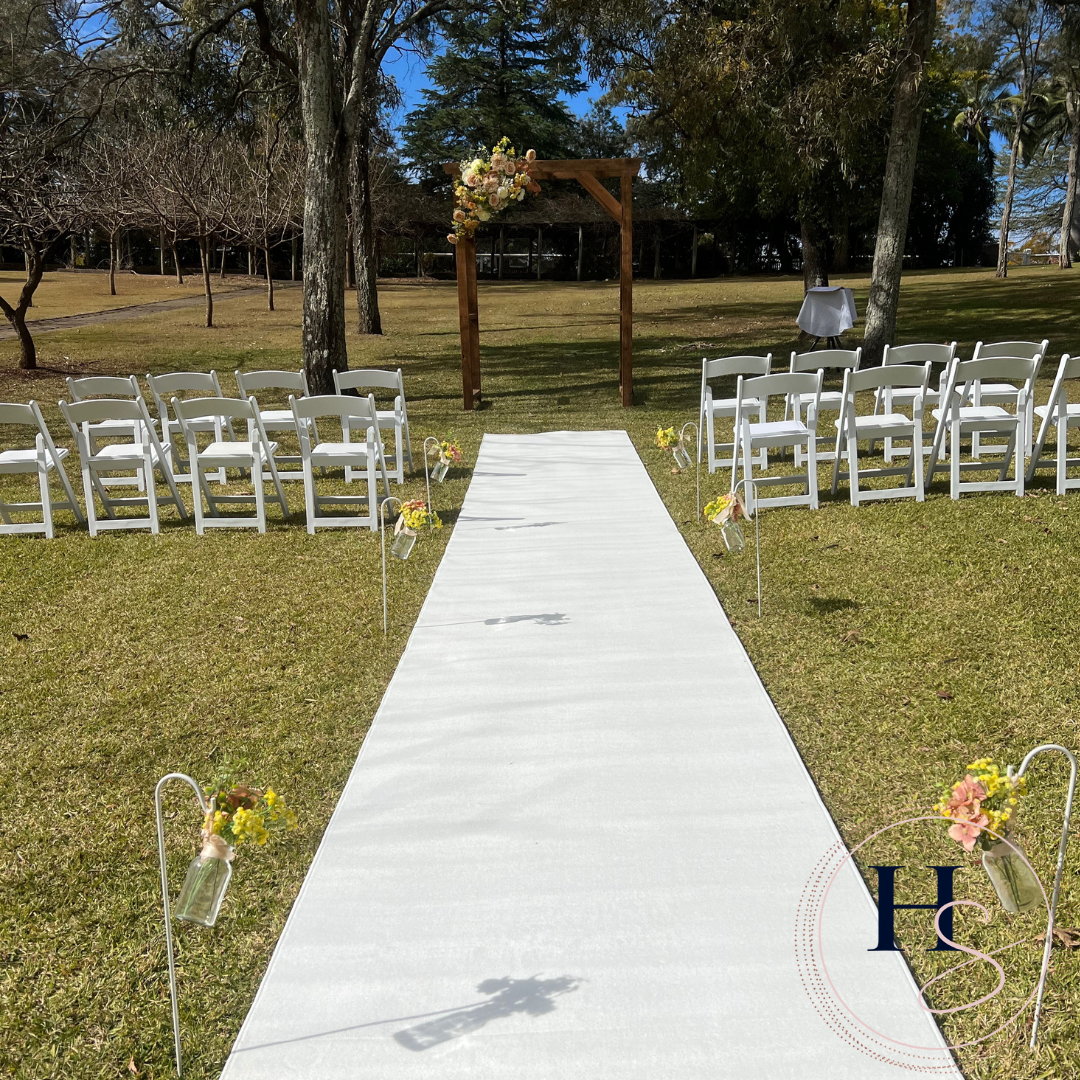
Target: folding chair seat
(136, 449)
(275, 420)
(893, 399)
(1058, 413)
(712, 407)
(364, 458)
(830, 400)
(960, 421)
(253, 455)
(42, 458)
(983, 393)
(113, 387)
(851, 428)
(395, 419)
(182, 384)
(778, 434)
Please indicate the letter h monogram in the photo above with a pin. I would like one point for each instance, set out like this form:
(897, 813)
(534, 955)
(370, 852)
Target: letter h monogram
(887, 907)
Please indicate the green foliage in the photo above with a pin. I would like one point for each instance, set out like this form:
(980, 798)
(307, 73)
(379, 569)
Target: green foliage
(500, 74)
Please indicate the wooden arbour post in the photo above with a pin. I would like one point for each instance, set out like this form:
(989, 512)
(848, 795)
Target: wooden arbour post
(588, 172)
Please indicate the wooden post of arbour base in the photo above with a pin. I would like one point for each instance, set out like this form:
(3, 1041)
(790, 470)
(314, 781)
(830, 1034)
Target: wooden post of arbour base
(468, 321)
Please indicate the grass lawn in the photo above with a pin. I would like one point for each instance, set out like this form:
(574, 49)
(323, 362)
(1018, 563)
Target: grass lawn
(899, 641)
(64, 293)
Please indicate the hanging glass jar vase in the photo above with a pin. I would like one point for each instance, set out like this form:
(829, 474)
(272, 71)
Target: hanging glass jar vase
(438, 473)
(204, 887)
(404, 541)
(732, 534)
(1013, 879)
(681, 456)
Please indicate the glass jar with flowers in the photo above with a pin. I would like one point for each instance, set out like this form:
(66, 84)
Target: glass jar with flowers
(726, 511)
(413, 517)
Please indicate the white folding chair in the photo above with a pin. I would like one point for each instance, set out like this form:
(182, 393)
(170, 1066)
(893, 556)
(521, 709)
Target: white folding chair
(276, 421)
(830, 400)
(712, 407)
(254, 454)
(1057, 412)
(893, 399)
(136, 449)
(960, 421)
(998, 394)
(851, 428)
(364, 458)
(778, 434)
(182, 384)
(113, 387)
(40, 459)
(395, 419)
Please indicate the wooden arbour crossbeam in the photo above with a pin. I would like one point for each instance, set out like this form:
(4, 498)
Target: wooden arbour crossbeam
(588, 172)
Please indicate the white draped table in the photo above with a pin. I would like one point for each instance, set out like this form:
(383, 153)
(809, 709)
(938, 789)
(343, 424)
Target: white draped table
(827, 311)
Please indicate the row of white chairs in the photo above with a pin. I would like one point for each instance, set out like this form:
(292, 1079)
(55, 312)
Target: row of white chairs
(117, 434)
(976, 392)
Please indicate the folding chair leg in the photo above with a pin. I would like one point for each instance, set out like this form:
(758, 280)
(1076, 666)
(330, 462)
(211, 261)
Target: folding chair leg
(811, 470)
(198, 490)
(46, 501)
(916, 474)
(1062, 450)
(88, 494)
(309, 495)
(260, 499)
(1018, 456)
(853, 469)
(954, 463)
(373, 492)
(748, 469)
(150, 487)
(764, 462)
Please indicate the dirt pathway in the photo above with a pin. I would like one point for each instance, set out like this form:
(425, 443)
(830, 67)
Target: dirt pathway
(132, 311)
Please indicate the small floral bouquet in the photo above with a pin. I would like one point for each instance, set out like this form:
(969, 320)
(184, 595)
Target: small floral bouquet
(449, 454)
(987, 800)
(238, 815)
(666, 438)
(413, 517)
(726, 511)
(488, 184)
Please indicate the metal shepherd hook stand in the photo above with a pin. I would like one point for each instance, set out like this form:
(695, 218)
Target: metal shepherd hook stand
(427, 468)
(757, 532)
(1046, 748)
(206, 808)
(686, 459)
(382, 546)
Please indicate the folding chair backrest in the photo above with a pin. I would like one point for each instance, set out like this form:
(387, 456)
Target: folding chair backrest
(249, 382)
(20, 415)
(994, 349)
(894, 375)
(919, 354)
(1010, 369)
(736, 365)
(179, 383)
(97, 410)
(829, 359)
(108, 386)
(782, 383)
(214, 407)
(363, 378)
(336, 405)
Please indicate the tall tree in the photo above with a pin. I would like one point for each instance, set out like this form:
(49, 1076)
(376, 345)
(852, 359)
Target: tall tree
(1026, 24)
(899, 176)
(500, 73)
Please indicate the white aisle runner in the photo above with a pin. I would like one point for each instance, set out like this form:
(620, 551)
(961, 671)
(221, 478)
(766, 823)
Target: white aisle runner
(575, 838)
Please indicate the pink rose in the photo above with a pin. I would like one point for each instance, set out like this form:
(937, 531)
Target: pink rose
(452, 237)
(530, 155)
(967, 831)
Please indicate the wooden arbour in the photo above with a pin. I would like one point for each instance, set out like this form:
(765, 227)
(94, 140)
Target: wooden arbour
(588, 172)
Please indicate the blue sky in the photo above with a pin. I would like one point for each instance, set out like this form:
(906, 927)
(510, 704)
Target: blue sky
(410, 71)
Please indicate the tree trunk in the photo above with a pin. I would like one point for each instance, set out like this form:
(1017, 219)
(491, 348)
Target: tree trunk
(176, 264)
(693, 254)
(161, 250)
(815, 269)
(16, 315)
(112, 264)
(502, 249)
(326, 180)
(1072, 107)
(416, 255)
(539, 250)
(1007, 205)
(580, 248)
(292, 263)
(269, 278)
(71, 247)
(204, 258)
(656, 255)
(350, 258)
(896, 190)
(369, 318)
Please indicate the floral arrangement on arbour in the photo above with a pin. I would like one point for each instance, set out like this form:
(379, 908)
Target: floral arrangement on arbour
(487, 184)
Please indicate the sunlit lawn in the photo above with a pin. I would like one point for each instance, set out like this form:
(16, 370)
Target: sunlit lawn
(899, 641)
